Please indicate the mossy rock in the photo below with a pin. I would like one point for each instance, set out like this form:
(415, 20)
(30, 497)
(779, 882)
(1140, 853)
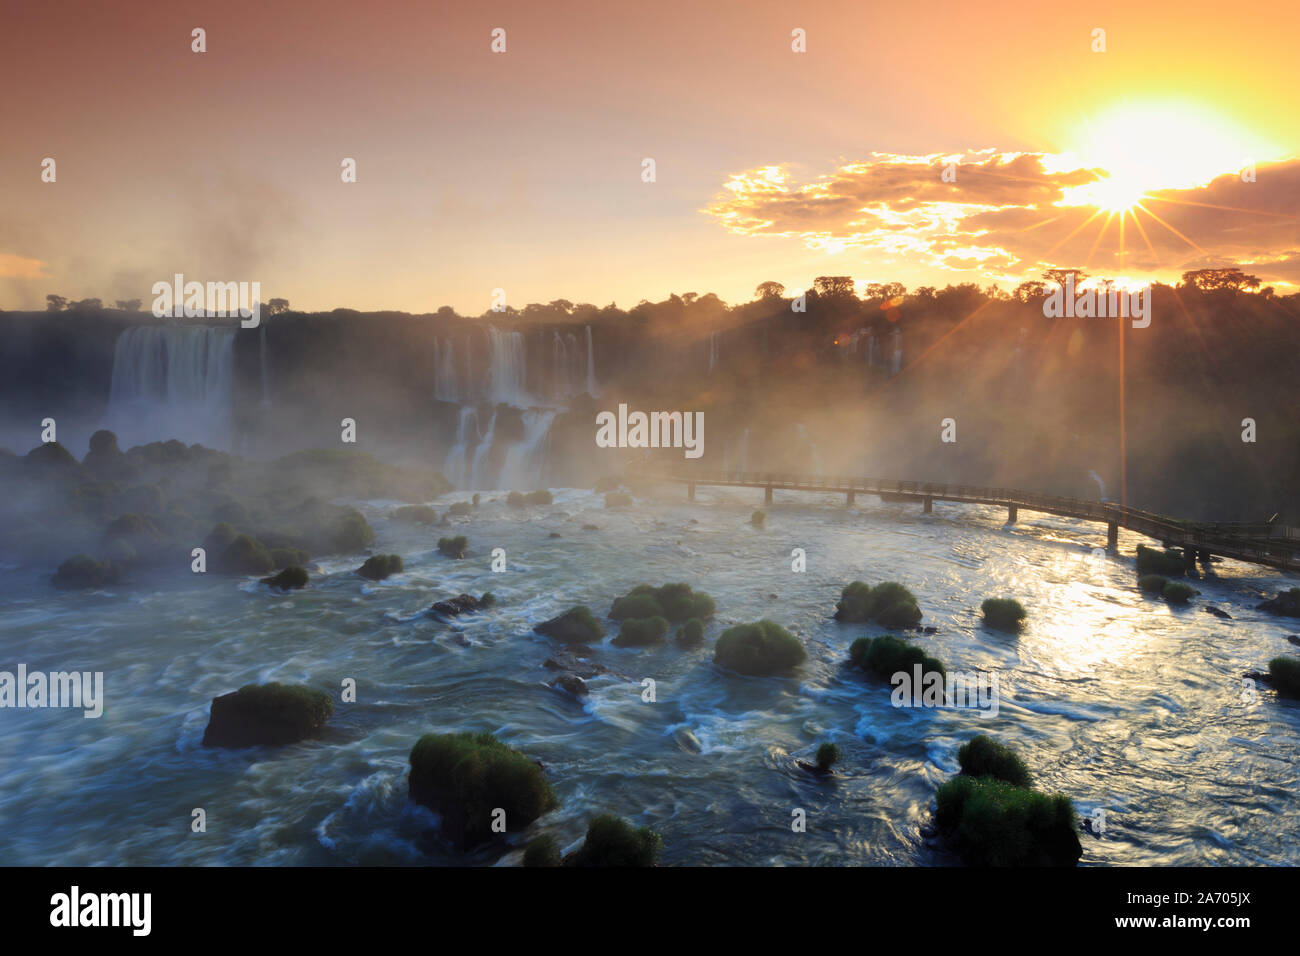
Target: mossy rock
(691, 634)
(286, 557)
(1168, 562)
(1177, 592)
(244, 555)
(463, 604)
(416, 514)
(132, 526)
(760, 649)
(289, 579)
(539, 497)
(618, 499)
(887, 655)
(641, 632)
(456, 547)
(994, 823)
(465, 777)
(575, 626)
(828, 755)
(143, 499)
(51, 454)
(461, 509)
(758, 519)
(612, 841)
(889, 604)
(380, 566)
(271, 714)
(676, 602)
(1005, 614)
(515, 499)
(1152, 583)
(542, 851)
(1284, 675)
(982, 756)
(84, 571)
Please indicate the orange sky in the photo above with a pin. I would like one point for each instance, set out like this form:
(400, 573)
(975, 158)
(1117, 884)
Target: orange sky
(523, 170)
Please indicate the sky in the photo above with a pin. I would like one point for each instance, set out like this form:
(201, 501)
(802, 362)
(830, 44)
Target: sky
(523, 170)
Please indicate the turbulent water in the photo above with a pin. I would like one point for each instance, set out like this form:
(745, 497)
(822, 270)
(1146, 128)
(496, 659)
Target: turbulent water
(1117, 700)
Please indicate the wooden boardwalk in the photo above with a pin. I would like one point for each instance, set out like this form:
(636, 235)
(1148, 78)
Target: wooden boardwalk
(1267, 544)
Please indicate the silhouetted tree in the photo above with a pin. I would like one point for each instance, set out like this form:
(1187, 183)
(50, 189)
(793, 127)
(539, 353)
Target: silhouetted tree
(769, 290)
(129, 305)
(55, 303)
(830, 286)
(1029, 291)
(1058, 276)
(1215, 280)
(85, 305)
(276, 306)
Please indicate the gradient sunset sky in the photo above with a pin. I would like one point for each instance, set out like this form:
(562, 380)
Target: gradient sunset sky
(522, 170)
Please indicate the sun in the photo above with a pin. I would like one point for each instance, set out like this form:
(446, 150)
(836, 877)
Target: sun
(1139, 148)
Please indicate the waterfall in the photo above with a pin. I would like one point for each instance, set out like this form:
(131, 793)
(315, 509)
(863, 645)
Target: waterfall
(565, 366)
(591, 366)
(173, 381)
(444, 372)
(476, 476)
(523, 468)
(871, 349)
(897, 361)
(713, 350)
(508, 374)
(815, 459)
(456, 466)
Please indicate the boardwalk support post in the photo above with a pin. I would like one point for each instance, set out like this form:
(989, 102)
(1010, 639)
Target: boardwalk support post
(1189, 559)
(849, 498)
(690, 490)
(1112, 537)
(767, 495)
(928, 506)
(1012, 514)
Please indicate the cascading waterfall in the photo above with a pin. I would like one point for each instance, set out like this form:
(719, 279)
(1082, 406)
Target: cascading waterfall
(713, 350)
(476, 474)
(173, 381)
(508, 375)
(455, 468)
(566, 366)
(896, 363)
(444, 367)
(591, 366)
(523, 462)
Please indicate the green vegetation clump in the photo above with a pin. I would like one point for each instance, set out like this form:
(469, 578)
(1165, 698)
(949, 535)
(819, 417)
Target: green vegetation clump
(244, 555)
(284, 557)
(1005, 614)
(612, 841)
(759, 649)
(456, 547)
(460, 509)
(758, 519)
(983, 756)
(542, 851)
(889, 604)
(288, 579)
(83, 571)
(574, 626)
(416, 514)
(828, 755)
(540, 497)
(641, 632)
(994, 823)
(464, 777)
(132, 525)
(380, 566)
(887, 655)
(1284, 675)
(676, 602)
(691, 634)
(1176, 592)
(1152, 583)
(487, 600)
(617, 499)
(1168, 562)
(266, 714)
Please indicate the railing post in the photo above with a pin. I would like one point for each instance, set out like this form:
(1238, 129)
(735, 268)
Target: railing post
(928, 506)
(767, 494)
(1112, 537)
(1012, 514)
(849, 496)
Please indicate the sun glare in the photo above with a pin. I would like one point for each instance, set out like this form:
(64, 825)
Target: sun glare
(1144, 147)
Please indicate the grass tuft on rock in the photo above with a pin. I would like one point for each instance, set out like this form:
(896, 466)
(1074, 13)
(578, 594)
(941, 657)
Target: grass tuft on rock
(612, 841)
(760, 649)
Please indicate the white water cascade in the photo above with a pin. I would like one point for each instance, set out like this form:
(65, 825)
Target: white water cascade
(508, 374)
(524, 462)
(173, 381)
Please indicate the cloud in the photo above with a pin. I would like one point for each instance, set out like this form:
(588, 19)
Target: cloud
(1015, 214)
(20, 267)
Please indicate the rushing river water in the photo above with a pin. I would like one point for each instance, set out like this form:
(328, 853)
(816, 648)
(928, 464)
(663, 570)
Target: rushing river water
(1113, 698)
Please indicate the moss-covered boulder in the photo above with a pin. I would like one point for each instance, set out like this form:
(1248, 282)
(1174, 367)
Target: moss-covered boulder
(1286, 604)
(454, 547)
(1005, 614)
(462, 604)
(466, 777)
(612, 841)
(271, 714)
(758, 519)
(641, 632)
(1168, 562)
(461, 509)
(289, 579)
(380, 566)
(982, 756)
(675, 602)
(287, 557)
(760, 649)
(887, 655)
(515, 499)
(244, 555)
(691, 634)
(990, 822)
(84, 571)
(575, 626)
(828, 755)
(51, 455)
(1284, 675)
(1177, 592)
(539, 497)
(889, 604)
(1152, 583)
(416, 514)
(618, 499)
(542, 851)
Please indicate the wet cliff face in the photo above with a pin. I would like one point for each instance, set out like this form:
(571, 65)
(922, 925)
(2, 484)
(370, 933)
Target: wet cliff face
(842, 388)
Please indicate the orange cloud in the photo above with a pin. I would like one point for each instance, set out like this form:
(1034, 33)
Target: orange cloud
(19, 267)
